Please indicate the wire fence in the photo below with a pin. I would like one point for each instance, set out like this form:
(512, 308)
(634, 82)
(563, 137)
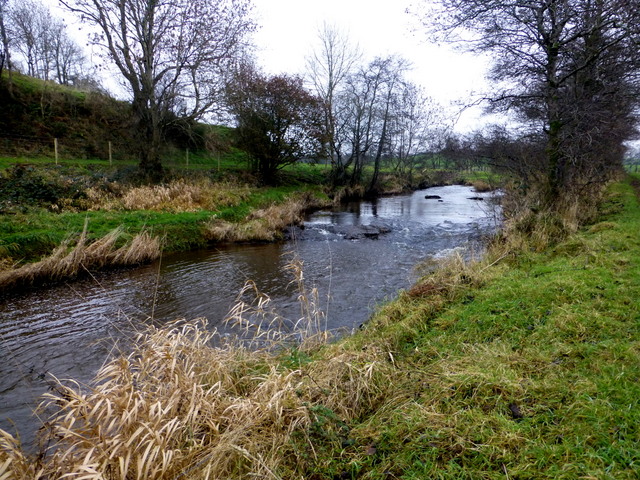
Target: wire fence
(95, 149)
(26, 146)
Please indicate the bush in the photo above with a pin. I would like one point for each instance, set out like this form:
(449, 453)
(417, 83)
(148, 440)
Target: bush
(23, 186)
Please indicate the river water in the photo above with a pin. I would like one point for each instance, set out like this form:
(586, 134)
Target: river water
(357, 255)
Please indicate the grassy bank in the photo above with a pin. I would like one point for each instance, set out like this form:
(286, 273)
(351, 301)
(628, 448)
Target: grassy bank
(143, 224)
(523, 369)
(35, 233)
(523, 366)
(49, 213)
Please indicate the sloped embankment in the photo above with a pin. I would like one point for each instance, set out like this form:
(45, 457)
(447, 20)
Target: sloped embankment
(533, 375)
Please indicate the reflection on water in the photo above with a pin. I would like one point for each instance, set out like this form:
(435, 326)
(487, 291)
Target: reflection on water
(69, 330)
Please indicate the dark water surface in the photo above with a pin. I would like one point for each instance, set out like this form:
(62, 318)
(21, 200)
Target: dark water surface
(69, 330)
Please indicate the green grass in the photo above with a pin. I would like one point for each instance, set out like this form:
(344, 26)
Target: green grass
(27, 237)
(531, 372)
(31, 85)
(197, 161)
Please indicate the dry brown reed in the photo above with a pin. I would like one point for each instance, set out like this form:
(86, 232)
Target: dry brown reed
(180, 406)
(481, 186)
(14, 463)
(175, 407)
(348, 192)
(68, 261)
(177, 196)
(531, 224)
(264, 224)
(449, 274)
(261, 325)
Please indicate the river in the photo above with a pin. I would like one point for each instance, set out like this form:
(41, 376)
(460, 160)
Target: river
(357, 255)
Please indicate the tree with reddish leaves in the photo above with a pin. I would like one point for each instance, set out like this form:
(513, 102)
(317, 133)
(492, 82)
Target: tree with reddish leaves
(278, 121)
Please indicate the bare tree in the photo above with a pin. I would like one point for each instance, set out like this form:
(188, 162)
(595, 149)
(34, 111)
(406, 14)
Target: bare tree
(42, 42)
(391, 71)
(5, 40)
(327, 68)
(363, 105)
(31, 21)
(365, 109)
(36, 33)
(172, 55)
(359, 101)
(416, 129)
(556, 62)
(68, 58)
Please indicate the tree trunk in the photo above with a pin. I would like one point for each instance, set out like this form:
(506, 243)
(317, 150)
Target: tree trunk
(555, 166)
(150, 165)
(383, 136)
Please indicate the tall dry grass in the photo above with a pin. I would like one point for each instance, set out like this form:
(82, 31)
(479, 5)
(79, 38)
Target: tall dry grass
(69, 261)
(187, 403)
(261, 326)
(264, 224)
(175, 407)
(348, 192)
(532, 224)
(481, 186)
(177, 196)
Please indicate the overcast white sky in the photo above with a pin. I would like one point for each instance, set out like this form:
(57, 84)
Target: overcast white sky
(380, 27)
(289, 30)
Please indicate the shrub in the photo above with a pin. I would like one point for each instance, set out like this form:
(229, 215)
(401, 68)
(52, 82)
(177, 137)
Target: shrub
(23, 186)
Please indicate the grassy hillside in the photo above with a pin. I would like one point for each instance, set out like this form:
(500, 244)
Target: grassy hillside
(36, 112)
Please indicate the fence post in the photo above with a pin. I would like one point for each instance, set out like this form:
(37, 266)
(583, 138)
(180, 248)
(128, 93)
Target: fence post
(55, 149)
(110, 156)
(187, 157)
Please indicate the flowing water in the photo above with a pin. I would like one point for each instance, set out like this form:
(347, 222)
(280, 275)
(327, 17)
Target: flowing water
(357, 256)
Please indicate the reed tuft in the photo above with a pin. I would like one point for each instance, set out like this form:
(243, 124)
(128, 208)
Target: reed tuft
(71, 261)
(264, 224)
(175, 407)
(450, 275)
(177, 196)
(187, 402)
(14, 463)
(262, 327)
(481, 186)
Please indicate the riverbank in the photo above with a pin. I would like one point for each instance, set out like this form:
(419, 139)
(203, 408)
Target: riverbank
(111, 239)
(521, 365)
(58, 222)
(62, 221)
